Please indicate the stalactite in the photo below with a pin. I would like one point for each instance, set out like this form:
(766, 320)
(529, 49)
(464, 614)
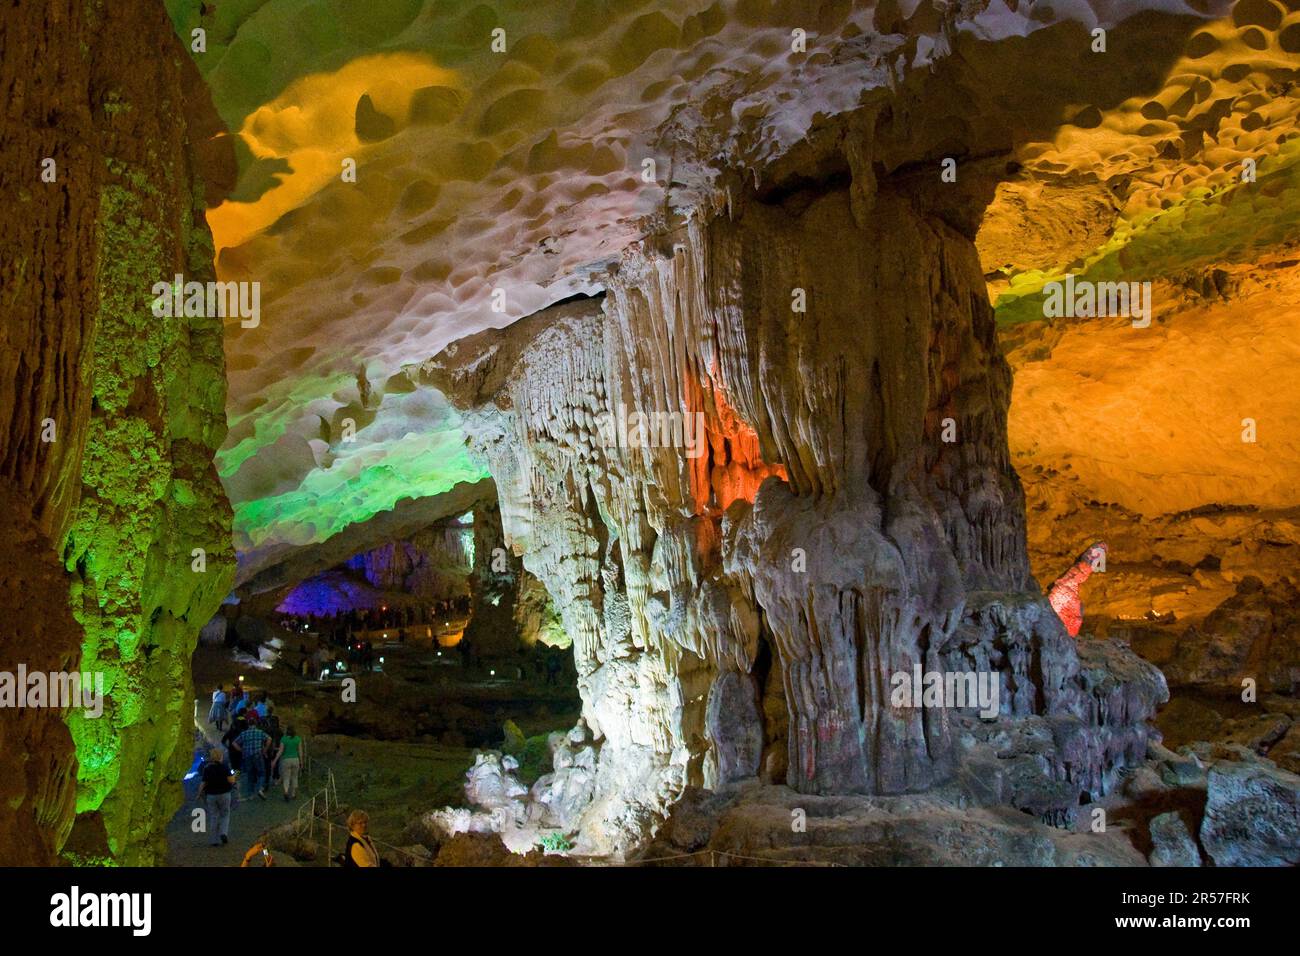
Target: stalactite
(820, 500)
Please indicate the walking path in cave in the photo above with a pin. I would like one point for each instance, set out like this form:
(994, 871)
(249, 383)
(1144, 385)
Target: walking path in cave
(249, 818)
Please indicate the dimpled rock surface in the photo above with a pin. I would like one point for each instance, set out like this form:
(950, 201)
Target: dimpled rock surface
(501, 152)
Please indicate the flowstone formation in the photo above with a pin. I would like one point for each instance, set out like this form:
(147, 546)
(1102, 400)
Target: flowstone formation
(122, 484)
(525, 817)
(731, 474)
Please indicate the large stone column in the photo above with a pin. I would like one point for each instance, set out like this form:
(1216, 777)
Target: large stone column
(47, 243)
(127, 491)
(845, 512)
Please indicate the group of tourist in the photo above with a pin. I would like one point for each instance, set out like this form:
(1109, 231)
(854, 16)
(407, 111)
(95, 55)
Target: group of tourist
(258, 751)
(315, 665)
(226, 706)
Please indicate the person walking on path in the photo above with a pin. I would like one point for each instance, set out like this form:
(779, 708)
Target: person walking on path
(237, 726)
(289, 756)
(273, 730)
(214, 792)
(217, 714)
(253, 745)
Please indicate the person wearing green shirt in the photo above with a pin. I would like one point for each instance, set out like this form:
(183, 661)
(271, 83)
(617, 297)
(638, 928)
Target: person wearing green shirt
(289, 757)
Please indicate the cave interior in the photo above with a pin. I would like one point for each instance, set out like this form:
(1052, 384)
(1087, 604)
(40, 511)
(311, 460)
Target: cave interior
(799, 431)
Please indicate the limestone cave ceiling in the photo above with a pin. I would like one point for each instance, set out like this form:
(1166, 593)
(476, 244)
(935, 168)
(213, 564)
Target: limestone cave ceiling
(507, 153)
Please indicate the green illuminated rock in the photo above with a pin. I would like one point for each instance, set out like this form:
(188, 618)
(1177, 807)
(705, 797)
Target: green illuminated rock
(108, 425)
(148, 547)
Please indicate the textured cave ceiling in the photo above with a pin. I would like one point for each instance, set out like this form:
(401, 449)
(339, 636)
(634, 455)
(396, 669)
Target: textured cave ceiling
(522, 170)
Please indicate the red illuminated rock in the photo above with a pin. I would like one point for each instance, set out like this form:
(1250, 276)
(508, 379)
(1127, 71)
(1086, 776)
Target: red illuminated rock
(1064, 593)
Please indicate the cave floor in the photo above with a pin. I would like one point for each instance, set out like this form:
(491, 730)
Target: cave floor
(388, 763)
(394, 782)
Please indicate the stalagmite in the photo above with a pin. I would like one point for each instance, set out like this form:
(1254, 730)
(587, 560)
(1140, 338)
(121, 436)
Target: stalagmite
(1063, 595)
(494, 587)
(826, 526)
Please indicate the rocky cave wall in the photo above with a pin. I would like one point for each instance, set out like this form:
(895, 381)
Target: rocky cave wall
(430, 565)
(127, 490)
(738, 604)
(1156, 436)
(494, 587)
(537, 621)
(1191, 546)
(47, 274)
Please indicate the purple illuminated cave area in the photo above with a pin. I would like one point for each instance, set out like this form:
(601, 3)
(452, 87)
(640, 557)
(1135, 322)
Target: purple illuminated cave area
(432, 570)
(330, 594)
(606, 433)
